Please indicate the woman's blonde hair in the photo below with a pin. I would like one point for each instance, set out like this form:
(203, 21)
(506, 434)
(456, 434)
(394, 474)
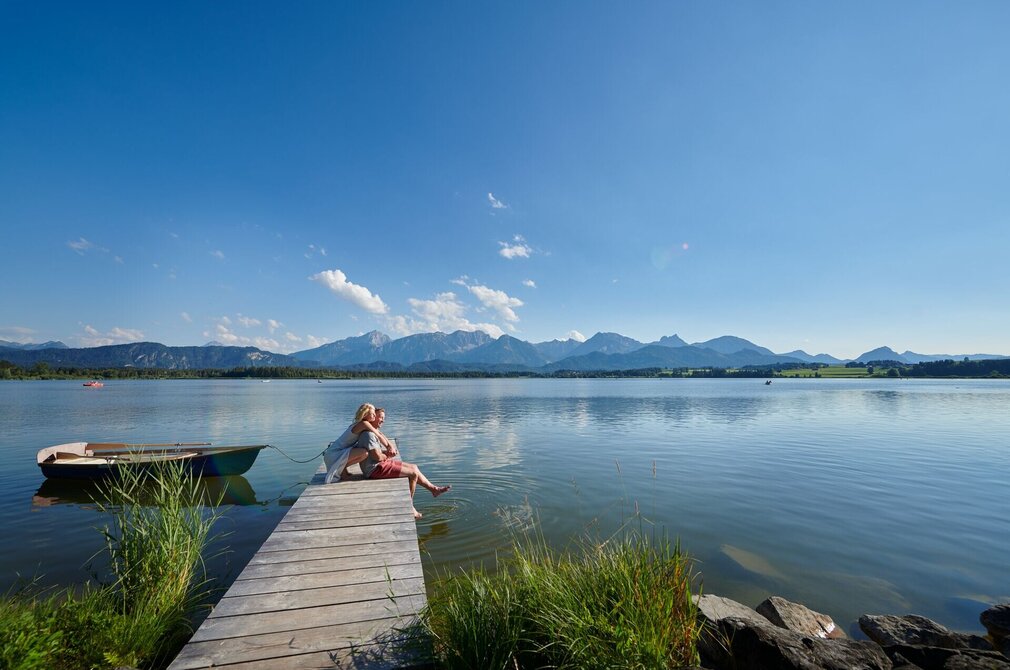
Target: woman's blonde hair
(364, 411)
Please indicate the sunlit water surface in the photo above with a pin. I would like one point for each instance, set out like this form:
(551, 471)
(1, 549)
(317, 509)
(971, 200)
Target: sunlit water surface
(849, 496)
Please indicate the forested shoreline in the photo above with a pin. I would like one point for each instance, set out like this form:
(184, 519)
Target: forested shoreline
(968, 369)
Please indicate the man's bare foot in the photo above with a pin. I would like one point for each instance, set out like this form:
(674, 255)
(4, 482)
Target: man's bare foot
(439, 490)
(417, 515)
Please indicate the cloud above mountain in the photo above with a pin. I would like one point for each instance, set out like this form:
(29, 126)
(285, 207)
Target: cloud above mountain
(336, 281)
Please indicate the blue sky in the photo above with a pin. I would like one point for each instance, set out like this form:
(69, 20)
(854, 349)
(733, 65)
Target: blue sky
(831, 177)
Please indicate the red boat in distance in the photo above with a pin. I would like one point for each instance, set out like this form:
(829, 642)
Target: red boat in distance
(93, 384)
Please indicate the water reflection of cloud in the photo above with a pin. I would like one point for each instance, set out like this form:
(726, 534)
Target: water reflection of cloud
(502, 450)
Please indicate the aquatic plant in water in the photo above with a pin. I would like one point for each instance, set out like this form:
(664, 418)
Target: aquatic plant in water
(621, 603)
(141, 613)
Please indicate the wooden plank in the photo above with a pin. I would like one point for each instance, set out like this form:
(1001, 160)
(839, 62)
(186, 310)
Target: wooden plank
(316, 580)
(348, 489)
(362, 514)
(392, 499)
(358, 509)
(341, 522)
(353, 487)
(327, 564)
(370, 657)
(284, 602)
(311, 539)
(337, 551)
(274, 646)
(335, 584)
(218, 628)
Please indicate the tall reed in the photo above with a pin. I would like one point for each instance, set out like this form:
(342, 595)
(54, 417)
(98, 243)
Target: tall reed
(622, 603)
(140, 613)
(156, 553)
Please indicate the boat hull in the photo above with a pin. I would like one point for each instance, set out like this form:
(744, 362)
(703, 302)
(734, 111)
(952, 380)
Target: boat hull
(215, 462)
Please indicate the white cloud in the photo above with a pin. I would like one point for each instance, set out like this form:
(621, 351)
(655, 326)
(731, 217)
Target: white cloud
(313, 250)
(517, 248)
(126, 334)
(495, 202)
(267, 343)
(445, 313)
(118, 259)
(530, 283)
(218, 254)
(336, 281)
(247, 322)
(273, 324)
(445, 308)
(82, 245)
(17, 333)
(461, 280)
(314, 341)
(186, 317)
(225, 335)
(499, 301)
(576, 335)
(94, 338)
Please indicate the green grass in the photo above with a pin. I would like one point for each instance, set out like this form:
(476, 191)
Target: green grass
(139, 614)
(624, 603)
(835, 371)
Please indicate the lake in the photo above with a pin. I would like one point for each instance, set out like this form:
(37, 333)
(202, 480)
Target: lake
(850, 496)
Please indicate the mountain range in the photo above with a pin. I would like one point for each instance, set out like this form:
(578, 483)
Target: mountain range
(449, 352)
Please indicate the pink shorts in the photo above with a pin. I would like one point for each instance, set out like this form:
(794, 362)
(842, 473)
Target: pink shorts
(387, 469)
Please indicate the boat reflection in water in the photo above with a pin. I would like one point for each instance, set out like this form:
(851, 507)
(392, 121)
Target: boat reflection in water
(233, 490)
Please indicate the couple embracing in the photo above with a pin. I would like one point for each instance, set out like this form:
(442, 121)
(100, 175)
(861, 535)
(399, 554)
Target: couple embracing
(364, 443)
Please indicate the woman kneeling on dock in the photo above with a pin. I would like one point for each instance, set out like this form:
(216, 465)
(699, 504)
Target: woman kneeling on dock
(379, 465)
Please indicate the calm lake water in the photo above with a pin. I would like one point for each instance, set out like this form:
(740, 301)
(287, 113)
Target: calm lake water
(852, 497)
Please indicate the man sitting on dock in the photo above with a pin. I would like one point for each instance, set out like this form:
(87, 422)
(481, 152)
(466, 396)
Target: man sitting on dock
(378, 465)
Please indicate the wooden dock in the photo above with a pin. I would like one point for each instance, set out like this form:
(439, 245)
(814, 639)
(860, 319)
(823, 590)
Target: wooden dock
(336, 585)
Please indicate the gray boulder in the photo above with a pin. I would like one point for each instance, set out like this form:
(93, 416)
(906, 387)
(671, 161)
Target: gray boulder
(997, 621)
(712, 646)
(798, 618)
(753, 645)
(939, 658)
(888, 630)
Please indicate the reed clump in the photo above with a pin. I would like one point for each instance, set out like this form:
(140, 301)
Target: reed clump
(623, 603)
(139, 613)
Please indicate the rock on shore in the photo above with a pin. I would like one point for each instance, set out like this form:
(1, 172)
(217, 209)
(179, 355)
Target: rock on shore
(780, 634)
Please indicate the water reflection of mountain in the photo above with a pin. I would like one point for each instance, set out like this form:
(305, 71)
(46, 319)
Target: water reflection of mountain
(234, 490)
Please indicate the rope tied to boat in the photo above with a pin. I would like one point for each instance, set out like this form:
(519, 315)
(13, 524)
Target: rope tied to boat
(295, 460)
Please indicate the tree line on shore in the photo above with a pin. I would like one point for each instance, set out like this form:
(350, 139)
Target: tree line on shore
(997, 368)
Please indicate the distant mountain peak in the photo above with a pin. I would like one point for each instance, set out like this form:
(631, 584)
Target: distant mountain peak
(671, 341)
(213, 343)
(730, 344)
(881, 354)
(607, 343)
(30, 346)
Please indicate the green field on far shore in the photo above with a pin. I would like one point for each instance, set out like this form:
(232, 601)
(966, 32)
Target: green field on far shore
(835, 372)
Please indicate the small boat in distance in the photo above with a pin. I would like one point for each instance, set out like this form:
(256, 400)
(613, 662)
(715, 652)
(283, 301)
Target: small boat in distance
(94, 384)
(94, 460)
